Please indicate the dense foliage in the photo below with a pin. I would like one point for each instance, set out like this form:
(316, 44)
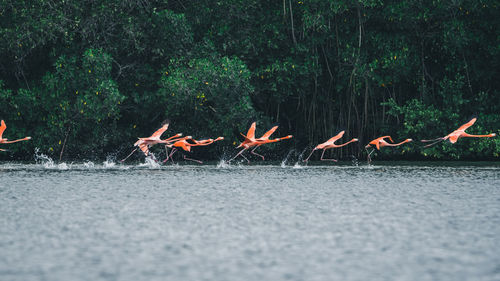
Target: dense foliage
(85, 78)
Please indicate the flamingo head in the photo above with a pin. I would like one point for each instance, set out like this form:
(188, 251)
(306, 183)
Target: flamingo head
(493, 134)
(367, 146)
(288, 137)
(355, 140)
(219, 138)
(409, 140)
(189, 137)
(28, 138)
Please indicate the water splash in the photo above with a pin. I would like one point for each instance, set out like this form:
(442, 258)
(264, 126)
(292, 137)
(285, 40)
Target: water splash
(283, 163)
(301, 155)
(223, 164)
(89, 165)
(297, 164)
(63, 166)
(151, 163)
(354, 160)
(43, 159)
(48, 163)
(110, 162)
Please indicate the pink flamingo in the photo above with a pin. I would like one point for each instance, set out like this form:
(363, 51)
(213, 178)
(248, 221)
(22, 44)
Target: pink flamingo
(330, 144)
(251, 141)
(458, 133)
(145, 143)
(380, 142)
(5, 140)
(183, 144)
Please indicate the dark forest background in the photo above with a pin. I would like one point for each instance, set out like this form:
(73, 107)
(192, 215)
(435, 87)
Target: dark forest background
(92, 76)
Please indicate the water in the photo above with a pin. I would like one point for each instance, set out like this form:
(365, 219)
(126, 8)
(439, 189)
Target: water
(106, 221)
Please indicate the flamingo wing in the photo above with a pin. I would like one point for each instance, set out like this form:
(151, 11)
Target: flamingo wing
(454, 138)
(251, 131)
(144, 148)
(269, 133)
(2, 128)
(387, 137)
(160, 131)
(186, 146)
(467, 125)
(338, 136)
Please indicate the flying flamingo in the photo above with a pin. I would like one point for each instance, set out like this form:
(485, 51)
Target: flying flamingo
(4, 140)
(330, 144)
(250, 141)
(183, 144)
(380, 142)
(458, 133)
(145, 143)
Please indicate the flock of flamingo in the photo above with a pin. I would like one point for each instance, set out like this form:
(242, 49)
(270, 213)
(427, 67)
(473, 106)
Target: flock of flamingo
(184, 144)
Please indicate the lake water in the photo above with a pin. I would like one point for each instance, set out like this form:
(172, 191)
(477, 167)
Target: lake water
(393, 221)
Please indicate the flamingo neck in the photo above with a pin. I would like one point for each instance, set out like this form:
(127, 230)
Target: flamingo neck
(353, 140)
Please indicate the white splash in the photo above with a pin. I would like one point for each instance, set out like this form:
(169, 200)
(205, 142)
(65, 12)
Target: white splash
(63, 166)
(223, 164)
(43, 159)
(283, 163)
(151, 163)
(89, 165)
(108, 164)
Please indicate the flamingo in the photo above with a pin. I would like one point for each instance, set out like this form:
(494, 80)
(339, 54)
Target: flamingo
(330, 144)
(183, 144)
(250, 141)
(4, 140)
(381, 142)
(458, 133)
(265, 139)
(145, 143)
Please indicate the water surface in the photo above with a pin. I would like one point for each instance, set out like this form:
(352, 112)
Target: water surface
(396, 221)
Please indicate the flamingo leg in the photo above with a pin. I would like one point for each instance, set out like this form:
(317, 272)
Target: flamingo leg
(123, 160)
(239, 153)
(255, 153)
(432, 140)
(438, 141)
(190, 159)
(307, 159)
(166, 151)
(170, 156)
(245, 158)
(368, 158)
(325, 159)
